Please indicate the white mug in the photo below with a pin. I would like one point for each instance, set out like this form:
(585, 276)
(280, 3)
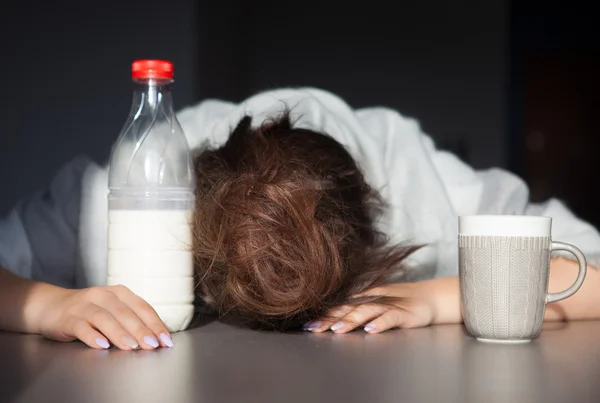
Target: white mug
(504, 264)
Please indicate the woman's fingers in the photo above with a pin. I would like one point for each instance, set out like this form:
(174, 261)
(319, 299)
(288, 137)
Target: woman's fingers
(392, 318)
(99, 316)
(105, 323)
(128, 319)
(347, 317)
(332, 317)
(146, 314)
(359, 316)
(83, 331)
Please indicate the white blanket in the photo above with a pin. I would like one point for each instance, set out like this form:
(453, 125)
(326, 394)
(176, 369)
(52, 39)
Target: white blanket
(60, 235)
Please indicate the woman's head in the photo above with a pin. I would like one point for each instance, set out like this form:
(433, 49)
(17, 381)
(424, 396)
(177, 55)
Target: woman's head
(284, 226)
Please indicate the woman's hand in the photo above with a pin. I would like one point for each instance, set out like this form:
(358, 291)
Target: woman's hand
(100, 315)
(419, 304)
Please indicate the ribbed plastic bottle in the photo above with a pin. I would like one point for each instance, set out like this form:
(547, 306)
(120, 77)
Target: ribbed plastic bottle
(151, 199)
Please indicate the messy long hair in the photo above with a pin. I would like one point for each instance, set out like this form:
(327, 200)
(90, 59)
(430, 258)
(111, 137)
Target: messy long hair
(284, 227)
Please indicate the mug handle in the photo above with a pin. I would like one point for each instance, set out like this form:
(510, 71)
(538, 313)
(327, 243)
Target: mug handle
(557, 296)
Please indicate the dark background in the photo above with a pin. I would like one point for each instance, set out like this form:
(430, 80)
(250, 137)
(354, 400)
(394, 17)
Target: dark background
(508, 84)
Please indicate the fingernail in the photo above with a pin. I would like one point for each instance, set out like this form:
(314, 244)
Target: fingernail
(151, 341)
(102, 343)
(129, 341)
(337, 326)
(370, 327)
(310, 326)
(167, 341)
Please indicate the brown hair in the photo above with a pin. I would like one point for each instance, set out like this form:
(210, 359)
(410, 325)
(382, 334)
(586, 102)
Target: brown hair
(284, 227)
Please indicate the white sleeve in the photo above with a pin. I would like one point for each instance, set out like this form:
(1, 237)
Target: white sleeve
(492, 191)
(39, 237)
(496, 191)
(426, 189)
(567, 227)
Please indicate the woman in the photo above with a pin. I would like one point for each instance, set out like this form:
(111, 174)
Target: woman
(320, 216)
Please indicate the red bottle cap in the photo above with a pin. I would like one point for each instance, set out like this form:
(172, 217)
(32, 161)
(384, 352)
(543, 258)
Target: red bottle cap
(152, 69)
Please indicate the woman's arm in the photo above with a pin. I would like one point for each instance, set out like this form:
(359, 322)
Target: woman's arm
(583, 305)
(94, 315)
(21, 301)
(437, 301)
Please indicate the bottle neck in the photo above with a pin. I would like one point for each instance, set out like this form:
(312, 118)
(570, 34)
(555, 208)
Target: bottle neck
(149, 94)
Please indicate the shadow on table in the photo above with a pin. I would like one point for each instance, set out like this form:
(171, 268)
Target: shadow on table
(546, 327)
(554, 326)
(29, 359)
(72, 372)
(202, 316)
(25, 358)
(502, 373)
(18, 369)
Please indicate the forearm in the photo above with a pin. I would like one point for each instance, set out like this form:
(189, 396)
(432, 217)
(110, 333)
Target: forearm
(445, 294)
(21, 302)
(584, 304)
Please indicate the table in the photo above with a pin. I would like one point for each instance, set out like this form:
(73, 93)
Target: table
(219, 363)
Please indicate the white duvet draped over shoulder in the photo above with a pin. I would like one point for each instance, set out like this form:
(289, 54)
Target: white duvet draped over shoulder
(425, 189)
